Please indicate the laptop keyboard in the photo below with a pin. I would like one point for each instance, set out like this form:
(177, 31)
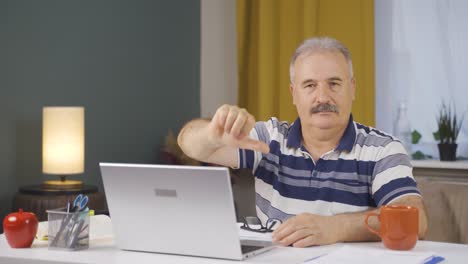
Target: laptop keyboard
(246, 249)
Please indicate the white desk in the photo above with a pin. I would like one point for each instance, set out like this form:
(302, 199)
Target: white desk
(104, 251)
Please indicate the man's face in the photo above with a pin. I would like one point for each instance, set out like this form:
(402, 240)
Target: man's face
(323, 90)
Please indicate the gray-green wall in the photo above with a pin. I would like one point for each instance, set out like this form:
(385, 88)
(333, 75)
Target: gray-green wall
(133, 64)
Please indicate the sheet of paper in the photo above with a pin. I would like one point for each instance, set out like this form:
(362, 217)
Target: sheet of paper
(250, 235)
(362, 255)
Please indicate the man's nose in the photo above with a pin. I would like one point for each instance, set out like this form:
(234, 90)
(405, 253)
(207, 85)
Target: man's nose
(323, 93)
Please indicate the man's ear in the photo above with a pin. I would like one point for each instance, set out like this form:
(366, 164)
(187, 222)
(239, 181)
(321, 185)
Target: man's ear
(292, 91)
(353, 88)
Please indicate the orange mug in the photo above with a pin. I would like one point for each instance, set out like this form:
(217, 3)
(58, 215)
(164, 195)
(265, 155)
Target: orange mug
(399, 226)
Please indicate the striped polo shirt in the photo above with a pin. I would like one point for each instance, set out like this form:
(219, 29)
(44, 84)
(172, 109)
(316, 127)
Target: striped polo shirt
(367, 169)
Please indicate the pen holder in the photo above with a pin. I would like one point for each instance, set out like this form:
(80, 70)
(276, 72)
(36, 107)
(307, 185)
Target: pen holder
(68, 230)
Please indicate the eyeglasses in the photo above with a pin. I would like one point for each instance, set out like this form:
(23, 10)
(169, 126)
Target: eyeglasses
(253, 223)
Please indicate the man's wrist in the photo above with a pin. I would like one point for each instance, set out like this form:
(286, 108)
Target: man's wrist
(214, 141)
(339, 227)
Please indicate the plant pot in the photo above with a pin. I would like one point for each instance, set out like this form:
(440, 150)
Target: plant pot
(447, 151)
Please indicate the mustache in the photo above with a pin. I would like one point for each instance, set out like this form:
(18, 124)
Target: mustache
(324, 108)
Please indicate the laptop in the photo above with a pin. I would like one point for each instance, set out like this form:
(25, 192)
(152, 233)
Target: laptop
(183, 210)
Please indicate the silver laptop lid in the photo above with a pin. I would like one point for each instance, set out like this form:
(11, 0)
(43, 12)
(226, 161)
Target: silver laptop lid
(183, 210)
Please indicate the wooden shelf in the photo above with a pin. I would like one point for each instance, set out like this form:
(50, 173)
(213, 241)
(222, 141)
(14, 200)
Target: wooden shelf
(453, 172)
(436, 164)
(35, 199)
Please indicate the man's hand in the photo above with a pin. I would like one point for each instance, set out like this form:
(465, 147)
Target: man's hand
(305, 230)
(217, 141)
(231, 126)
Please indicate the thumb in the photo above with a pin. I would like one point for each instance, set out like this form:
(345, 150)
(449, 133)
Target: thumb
(255, 145)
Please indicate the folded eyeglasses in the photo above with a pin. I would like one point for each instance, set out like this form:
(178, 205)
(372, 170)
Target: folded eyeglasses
(253, 223)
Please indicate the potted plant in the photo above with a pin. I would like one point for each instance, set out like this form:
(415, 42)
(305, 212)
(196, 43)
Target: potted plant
(448, 129)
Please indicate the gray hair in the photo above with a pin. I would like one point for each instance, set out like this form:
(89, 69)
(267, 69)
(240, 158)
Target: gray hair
(320, 44)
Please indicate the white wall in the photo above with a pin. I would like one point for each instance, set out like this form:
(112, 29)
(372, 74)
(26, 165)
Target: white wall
(218, 71)
(422, 59)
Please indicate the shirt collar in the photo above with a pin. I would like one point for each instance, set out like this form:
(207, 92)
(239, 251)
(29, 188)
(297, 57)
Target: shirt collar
(346, 142)
(295, 134)
(349, 137)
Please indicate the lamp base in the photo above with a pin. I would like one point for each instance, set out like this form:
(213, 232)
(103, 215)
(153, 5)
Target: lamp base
(62, 185)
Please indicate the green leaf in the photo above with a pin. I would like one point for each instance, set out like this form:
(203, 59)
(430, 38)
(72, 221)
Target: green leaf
(436, 135)
(415, 137)
(418, 155)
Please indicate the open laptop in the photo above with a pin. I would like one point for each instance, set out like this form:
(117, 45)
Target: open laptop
(185, 210)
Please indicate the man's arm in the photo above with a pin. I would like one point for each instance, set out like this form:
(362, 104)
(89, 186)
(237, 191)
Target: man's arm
(308, 229)
(354, 229)
(217, 141)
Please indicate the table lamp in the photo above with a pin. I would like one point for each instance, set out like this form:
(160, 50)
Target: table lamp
(62, 145)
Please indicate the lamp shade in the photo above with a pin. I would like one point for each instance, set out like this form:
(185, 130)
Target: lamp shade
(63, 140)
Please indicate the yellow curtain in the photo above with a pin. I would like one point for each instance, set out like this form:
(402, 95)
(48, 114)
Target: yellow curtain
(270, 30)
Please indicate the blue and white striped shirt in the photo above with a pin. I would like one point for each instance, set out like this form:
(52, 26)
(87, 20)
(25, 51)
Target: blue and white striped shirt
(367, 169)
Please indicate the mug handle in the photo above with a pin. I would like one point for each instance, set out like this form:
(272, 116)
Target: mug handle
(367, 223)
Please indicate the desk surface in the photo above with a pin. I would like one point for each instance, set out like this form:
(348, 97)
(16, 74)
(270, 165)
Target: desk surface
(104, 251)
